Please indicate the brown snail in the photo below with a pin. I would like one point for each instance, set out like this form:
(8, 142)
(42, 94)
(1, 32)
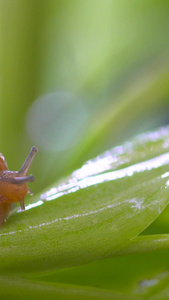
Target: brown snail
(13, 187)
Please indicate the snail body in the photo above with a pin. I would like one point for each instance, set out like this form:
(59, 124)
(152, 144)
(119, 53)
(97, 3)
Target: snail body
(13, 187)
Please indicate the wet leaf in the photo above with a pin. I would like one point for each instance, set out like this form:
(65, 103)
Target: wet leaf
(95, 212)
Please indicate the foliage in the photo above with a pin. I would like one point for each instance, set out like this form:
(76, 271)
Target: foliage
(79, 77)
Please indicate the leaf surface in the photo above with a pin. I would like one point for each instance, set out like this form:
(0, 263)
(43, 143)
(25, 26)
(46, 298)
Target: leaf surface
(95, 212)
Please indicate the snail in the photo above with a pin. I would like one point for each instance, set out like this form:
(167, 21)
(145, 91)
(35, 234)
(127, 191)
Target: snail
(13, 187)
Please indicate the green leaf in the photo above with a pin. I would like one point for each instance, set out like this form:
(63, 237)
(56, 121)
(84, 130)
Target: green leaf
(139, 276)
(95, 212)
(146, 243)
(15, 288)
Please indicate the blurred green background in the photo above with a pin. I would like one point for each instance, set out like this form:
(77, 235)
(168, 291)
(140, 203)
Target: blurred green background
(78, 77)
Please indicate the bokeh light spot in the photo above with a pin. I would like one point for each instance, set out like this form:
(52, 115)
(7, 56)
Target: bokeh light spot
(56, 121)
